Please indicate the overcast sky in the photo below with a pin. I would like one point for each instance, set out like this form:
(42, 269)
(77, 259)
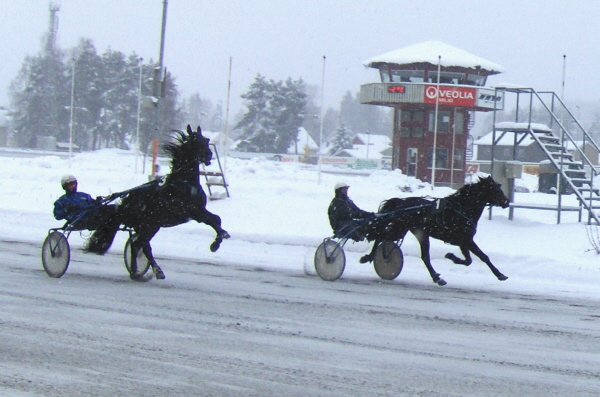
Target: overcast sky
(288, 38)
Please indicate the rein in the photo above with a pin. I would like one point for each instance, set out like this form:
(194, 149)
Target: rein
(158, 180)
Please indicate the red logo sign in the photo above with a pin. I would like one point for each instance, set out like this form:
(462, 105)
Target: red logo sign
(472, 168)
(453, 96)
(394, 89)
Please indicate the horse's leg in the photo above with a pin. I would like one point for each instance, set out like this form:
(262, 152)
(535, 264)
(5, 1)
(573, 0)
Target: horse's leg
(423, 239)
(213, 221)
(484, 258)
(466, 253)
(158, 273)
(143, 242)
(369, 257)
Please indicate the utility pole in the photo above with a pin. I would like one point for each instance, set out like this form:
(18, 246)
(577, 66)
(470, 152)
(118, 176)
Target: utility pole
(159, 77)
(54, 7)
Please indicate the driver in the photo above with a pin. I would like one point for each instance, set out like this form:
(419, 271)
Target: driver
(345, 216)
(79, 208)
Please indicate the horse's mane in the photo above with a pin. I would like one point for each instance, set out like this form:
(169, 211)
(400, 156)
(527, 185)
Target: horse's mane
(176, 149)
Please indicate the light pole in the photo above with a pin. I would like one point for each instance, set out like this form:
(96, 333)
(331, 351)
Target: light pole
(71, 117)
(137, 130)
(435, 128)
(321, 127)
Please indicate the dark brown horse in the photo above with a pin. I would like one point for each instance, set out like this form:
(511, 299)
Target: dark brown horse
(452, 219)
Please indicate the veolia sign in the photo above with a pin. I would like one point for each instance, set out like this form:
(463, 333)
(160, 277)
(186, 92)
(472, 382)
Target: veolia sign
(454, 96)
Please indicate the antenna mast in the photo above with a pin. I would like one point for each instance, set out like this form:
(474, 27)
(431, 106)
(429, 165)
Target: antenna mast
(53, 24)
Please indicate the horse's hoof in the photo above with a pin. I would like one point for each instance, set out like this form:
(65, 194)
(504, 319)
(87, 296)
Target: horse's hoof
(502, 277)
(159, 274)
(441, 282)
(366, 258)
(223, 235)
(136, 277)
(215, 245)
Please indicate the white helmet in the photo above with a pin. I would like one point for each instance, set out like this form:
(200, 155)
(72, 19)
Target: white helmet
(67, 179)
(340, 185)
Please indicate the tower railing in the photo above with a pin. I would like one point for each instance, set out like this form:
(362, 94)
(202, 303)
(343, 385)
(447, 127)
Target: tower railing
(559, 141)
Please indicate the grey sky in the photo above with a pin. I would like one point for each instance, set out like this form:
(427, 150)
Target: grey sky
(288, 38)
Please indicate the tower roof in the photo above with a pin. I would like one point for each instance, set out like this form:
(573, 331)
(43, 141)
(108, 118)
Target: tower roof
(428, 52)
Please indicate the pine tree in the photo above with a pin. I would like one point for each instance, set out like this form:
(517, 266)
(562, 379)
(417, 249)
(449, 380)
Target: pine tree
(287, 109)
(254, 127)
(341, 140)
(38, 97)
(87, 96)
(275, 113)
(120, 92)
(360, 118)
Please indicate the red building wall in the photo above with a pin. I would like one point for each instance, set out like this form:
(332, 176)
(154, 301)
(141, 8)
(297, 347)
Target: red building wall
(413, 129)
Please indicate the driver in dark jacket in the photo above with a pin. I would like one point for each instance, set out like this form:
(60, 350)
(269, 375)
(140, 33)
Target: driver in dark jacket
(343, 215)
(80, 209)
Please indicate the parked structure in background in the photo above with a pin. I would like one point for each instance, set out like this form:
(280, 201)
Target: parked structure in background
(432, 113)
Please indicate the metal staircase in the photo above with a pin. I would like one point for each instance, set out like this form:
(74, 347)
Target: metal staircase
(215, 178)
(555, 131)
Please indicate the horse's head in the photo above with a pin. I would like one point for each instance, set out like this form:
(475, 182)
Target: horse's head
(199, 145)
(188, 149)
(491, 192)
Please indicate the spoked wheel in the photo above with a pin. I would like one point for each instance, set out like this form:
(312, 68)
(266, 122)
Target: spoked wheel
(142, 261)
(330, 260)
(56, 254)
(388, 260)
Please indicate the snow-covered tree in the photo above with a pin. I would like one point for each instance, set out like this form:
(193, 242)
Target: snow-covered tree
(341, 140)
(87, 96)
(360, 117)
(275, 113)
(38, 98)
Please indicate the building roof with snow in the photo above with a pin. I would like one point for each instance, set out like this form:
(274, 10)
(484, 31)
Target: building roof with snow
(508, 139)
(360, 152)
(376, 142)
(367, 146)
(428, 52)
(302, 140)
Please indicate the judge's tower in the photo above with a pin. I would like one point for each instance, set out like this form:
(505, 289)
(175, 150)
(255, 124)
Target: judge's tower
(434, 88)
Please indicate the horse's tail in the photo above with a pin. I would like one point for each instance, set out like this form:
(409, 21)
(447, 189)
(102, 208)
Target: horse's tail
(102, 238)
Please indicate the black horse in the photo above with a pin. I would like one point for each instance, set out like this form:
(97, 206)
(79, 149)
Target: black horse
(452, 219)
(169, 201)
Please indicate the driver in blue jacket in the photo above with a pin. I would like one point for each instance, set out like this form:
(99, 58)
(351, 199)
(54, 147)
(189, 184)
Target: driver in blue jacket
(79, 208)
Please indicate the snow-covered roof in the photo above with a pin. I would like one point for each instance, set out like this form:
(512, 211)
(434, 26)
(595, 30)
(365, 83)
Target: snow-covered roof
(429, 52)
(303, 139)
(510, 125)
(360, 151)
(507, 140)
(377, 143)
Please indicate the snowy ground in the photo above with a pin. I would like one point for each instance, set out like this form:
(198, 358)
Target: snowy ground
(276, 216)
(253, 319)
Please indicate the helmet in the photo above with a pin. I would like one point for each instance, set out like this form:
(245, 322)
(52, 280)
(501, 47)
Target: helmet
(67, 179)
(340, 185)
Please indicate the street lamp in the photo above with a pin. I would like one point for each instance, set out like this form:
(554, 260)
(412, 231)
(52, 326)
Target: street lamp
(71, 117)
(137, 129)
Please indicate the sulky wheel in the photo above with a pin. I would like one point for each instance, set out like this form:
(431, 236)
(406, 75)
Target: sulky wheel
(388, 260)
(142, 261)
(56, 254)
(330, 260)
